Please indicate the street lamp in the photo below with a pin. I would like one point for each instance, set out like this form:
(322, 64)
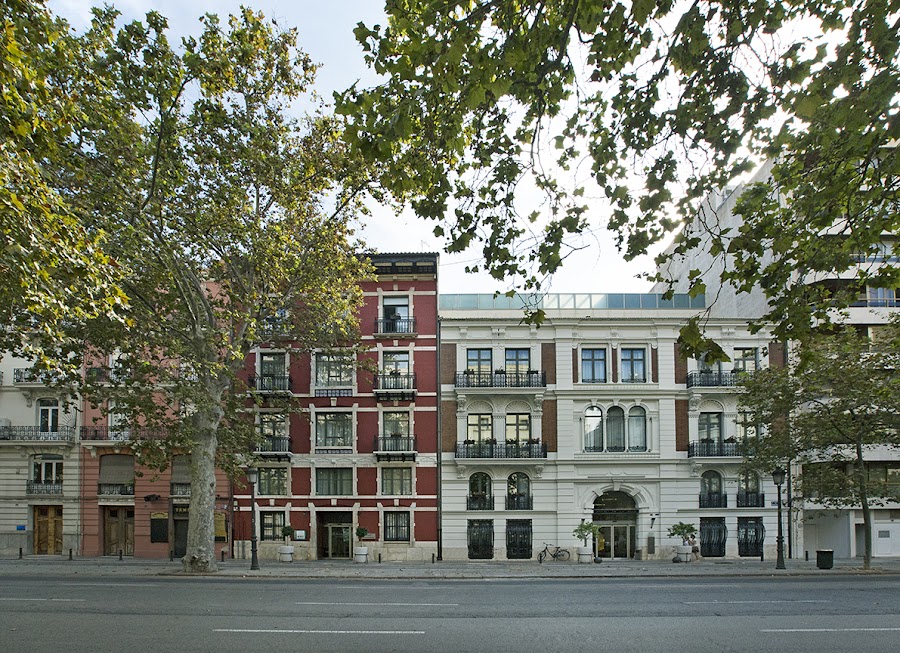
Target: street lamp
(778, 478)
(252, 476)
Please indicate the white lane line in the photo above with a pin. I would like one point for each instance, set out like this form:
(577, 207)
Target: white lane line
(109, 584)
(430, 605)
(743, 602)
(59, 600)
(320, 632)
(828, 630)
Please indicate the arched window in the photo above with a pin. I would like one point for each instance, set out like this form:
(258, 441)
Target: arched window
(518, 492)
(593, 429)
(480, 493)
(615, 429)
(711, 495)
(637, 429)
(748, 495)
(749, 482)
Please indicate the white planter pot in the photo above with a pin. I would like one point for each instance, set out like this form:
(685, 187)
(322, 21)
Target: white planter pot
(286, 553)
(684, 552)
(360, 554)
(585, 554)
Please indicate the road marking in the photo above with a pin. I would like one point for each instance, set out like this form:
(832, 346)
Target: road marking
(320, 632)
(109, 584)
(59, 600)
(430, 605)
(827, 630)
(743, 602)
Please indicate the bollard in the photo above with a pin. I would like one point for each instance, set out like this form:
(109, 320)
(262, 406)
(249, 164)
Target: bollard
(223, 555)
(120, 555)
(432, 558)
(70, 554)
(171, 555)
(807, 555)
(20, 553)
(379, 558)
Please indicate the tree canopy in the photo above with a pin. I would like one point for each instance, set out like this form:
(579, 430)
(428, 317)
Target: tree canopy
(833, 418)
(231, 222)
(520, 125)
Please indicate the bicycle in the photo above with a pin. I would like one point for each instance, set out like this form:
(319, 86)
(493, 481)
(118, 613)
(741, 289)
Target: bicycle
(559, 554)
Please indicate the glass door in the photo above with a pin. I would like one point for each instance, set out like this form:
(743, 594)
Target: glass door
(617, 541)
(338, 541)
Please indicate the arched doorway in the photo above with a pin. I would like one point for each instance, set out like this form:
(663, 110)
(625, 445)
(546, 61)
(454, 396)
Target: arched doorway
(616, 515)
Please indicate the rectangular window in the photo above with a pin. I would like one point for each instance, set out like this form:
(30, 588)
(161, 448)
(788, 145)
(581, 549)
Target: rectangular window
(479, 428)
(710, 427)
(334, 430)
(882, 297)
(272, 425)
(396, 423)
(271, 364)
(334, 482)
(396, 481)
(396, 361)
(270, 525)
(593, 366)
(746, 359)
(746, 429)
(333, 371)
(396, 527)
(518, 361)
(272, 481)
(396, 308)
(47, 469)
(633, 368)
(518, 428)
(478, 361)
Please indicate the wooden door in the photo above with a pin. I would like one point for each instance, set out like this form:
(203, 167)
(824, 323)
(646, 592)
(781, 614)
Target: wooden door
(48, 529)
(118, 530)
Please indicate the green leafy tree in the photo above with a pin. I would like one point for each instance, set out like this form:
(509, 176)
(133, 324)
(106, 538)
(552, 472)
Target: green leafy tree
(830, 417)
(52, 270)
(646, 107)
(232, 221)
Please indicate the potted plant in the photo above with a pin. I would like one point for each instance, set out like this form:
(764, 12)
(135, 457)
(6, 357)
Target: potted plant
(586, 530)
(361, 553)
(683, 532)
(286, 552)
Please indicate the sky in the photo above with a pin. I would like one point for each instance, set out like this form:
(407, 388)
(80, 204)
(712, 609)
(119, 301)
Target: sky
(325, 32)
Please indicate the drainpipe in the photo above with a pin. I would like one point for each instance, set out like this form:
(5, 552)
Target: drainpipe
(440, 440)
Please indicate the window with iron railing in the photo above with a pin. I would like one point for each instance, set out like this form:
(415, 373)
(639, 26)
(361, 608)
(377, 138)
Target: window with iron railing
(396, 526)
(270, 525)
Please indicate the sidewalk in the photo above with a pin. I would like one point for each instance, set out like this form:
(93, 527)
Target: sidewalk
(447, 570)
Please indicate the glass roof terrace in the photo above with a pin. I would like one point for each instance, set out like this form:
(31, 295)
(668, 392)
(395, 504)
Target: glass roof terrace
(569, 301)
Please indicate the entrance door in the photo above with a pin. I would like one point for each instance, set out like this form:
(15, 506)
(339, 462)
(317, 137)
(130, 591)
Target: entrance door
(118, 530)
(48, 529)
(179, 546)
(618, 540)
(337, 541)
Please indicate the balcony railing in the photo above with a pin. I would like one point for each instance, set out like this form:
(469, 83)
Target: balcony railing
(401, 325)
(710, 379)
(115, 489)
(479, 502)
(395, 443)
(713, 500)
(750, 499)
(181, 489)
(395, 385)
(36, 434)
(119, 433)
(27, 375)
(533, 379)
(501, 450)
(274, 444)
(271, 383)
(43, 487)
(713, 449)
(519, 502)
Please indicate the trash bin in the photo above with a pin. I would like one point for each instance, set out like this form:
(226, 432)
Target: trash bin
(825, 558)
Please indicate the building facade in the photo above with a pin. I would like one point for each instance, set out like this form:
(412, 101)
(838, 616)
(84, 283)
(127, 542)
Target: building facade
(594, 417)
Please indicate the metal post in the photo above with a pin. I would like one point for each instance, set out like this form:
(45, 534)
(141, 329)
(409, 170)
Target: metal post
(254, 558)
(778, 477)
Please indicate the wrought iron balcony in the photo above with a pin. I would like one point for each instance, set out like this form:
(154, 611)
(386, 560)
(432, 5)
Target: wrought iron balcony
(747, 499)
(26, 375)
(395, 447)
(400, 325)
(271, 383)
(43, 487)
(181, 489)
(713, 449)
(532, 379)
(711, 379)
(395, 385)
(274, 444)
(519, 502)
(713, 500)
(37, 434)
(533, 449)
(116, 489)
(119, 433)
(479, 502)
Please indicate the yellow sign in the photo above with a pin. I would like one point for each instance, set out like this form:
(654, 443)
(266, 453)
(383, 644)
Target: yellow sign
(159, 515)
(221, 533)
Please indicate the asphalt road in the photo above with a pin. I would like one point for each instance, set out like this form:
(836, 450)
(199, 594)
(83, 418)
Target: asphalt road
(149, 615)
